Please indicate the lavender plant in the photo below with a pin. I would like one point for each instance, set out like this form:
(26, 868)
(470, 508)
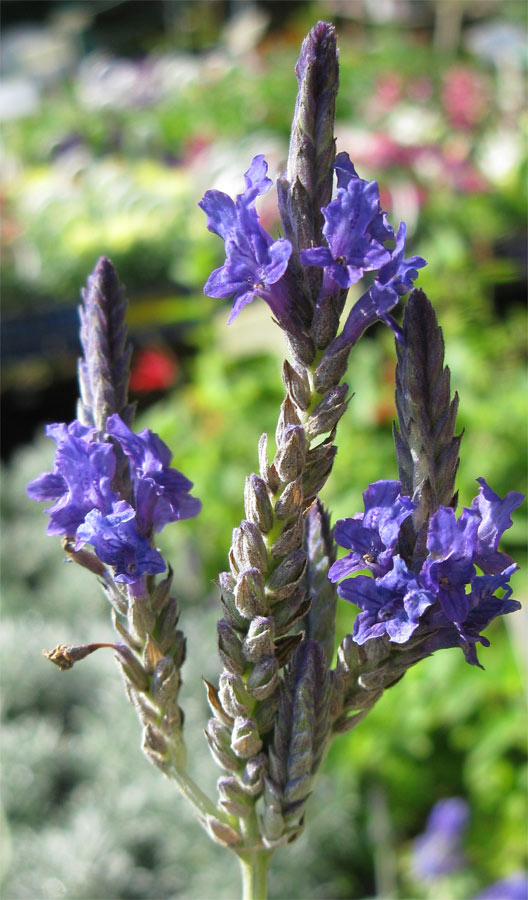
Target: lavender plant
(434, 580)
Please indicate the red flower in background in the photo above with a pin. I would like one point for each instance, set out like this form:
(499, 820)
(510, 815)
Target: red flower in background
(154, 369)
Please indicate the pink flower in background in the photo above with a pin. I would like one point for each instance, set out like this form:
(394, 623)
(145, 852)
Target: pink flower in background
(389, 90)
(465, 97)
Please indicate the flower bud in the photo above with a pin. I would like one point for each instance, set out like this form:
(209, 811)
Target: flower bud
(290, 539)
(267, 472)
(288, 416)
(291, 610)
(233, 695)
(259, 639)
(232, 614)
(249, 594)
(331, 369)
(166, 682)
(245, 739)
(327, 313)
(328, 412)
(248, 548)
(284, 579)
(265, 713)
(253, 775)
(215, 705)
(161, 593)
(272, 820)
(257, 503)
(296, 384)
(233, 798)
(290, 501)
(291, 455)
(230, 647)
(264, 678)
(221, 833)
(219, 740)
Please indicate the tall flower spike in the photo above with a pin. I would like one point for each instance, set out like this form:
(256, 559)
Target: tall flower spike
(104, 367)
(426, 445)
(307, 184)
(306, 188)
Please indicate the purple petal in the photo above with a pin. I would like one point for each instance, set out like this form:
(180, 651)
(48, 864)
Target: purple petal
(220, 211)
(495, 520)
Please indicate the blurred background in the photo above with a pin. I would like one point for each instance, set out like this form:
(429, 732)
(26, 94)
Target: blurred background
(116, 117)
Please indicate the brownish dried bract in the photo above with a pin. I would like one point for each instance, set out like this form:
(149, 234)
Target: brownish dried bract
(60, 656)
(65, 656)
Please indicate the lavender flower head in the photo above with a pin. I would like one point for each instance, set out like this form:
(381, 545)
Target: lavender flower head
(356, 230)
(447, 595)
(112, 489)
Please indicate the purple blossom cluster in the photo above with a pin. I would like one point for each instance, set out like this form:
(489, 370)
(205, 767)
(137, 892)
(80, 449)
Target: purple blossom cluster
(113, 494)
(447, 592)
(357, 232)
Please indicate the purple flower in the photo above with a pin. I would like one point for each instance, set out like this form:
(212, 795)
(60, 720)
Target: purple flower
(372, 535)
(80, 480)
(438, 851)
(161, 494)
(355, 229)
(449, 566)
(392, 604)
(514, 887)
(255, 263)
(495, 519)
(485, 606)
(117, 543)
(394, 600)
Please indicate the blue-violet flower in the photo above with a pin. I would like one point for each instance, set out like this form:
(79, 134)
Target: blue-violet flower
(459, 602)
(255, 263)
(372, 535)
(117, 542)
(80, 481)
(161, 494)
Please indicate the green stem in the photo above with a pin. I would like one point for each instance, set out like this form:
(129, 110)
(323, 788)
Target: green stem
(200, 802)
(254, 866)
(254, 861)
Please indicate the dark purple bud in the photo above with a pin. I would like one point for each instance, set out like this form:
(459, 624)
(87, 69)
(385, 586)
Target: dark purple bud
(104, 368)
